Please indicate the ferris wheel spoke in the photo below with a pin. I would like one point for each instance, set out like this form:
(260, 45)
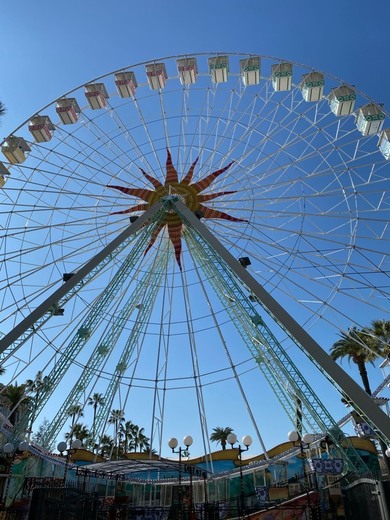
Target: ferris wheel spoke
(304, 202)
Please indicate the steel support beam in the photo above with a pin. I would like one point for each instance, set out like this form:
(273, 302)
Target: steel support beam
(78, 276)
(359, 397)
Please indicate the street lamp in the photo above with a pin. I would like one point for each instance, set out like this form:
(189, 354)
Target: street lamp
(62, 447)
(303, 443)
(183, 452)
(246, 441)
(9, 452)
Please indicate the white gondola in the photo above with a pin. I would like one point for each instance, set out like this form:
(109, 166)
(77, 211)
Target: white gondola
(250, 70)
(342, 100)
(41, 128)
(370, 119)
(384, 143)
(4, 173)
(219, 69)
(96, 95)
(15, 149)
(281, 76)
(188, 70)
(126, 84)
(157, 75)
(3, 169)
(68, 110)
(312, 86)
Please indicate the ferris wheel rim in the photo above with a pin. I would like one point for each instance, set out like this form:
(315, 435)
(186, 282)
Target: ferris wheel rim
(297, 218)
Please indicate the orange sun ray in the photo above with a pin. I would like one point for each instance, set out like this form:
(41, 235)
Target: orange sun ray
(171, 176)
(188, 178)
(154, 236)
(156, 183)
(205, 183)
(211, 196)
(214, 213)
(138, 207)
(174, 232)
(136, 192)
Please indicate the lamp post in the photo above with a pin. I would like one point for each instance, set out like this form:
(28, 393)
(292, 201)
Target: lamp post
(9, 453)
(246, 441)
(62, 447)
(303, 443)
(183, 452)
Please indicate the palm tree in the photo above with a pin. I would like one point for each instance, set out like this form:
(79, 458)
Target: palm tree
(358, 346)
(96, 400)
(106, 445)
(143, 442)
(15, 396)
(79, 431)
(37, 384)
(2, 109)
(75, 412)
(220, 435)
(362, 348)
(2, 370)
(139, 439)
(35, 387)
(149, 451)
(116, 418)
(380, 330)
(128, 434)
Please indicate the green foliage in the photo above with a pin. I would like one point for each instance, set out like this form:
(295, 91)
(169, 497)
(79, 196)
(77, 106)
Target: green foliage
(96, 400)
(363, 346)
(34, 388)
(16, 396)
(79, 431)
(220, 435)
(380, 330)
(106, 446)
(127, 436)
(40, 436)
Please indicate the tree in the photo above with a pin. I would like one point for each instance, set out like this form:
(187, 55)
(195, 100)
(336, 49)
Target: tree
(358, 346)
(37, 384)
(128, 434)
(380, 330)
(96, 400)
(116, 418)
(75, 412)
(362, 347)
(15, 395)
(40, 437)
(220, 435)
(2, 109)
(2, 370)
(149, 451)
(79, 431)
(35, 387)
(139, 439)
(106, 445)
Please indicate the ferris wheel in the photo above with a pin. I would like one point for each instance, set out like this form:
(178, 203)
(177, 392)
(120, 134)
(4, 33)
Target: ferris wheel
(284, 167)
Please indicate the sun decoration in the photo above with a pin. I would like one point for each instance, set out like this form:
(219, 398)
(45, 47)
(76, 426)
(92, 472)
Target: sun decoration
(190, 194)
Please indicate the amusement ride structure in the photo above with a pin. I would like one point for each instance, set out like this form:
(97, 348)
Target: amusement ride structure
(187, 236)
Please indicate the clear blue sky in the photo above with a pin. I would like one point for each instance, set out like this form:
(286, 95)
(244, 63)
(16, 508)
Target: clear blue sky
(50, 47)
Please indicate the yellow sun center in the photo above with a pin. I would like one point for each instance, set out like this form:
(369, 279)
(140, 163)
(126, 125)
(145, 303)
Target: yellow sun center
(189, 193)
